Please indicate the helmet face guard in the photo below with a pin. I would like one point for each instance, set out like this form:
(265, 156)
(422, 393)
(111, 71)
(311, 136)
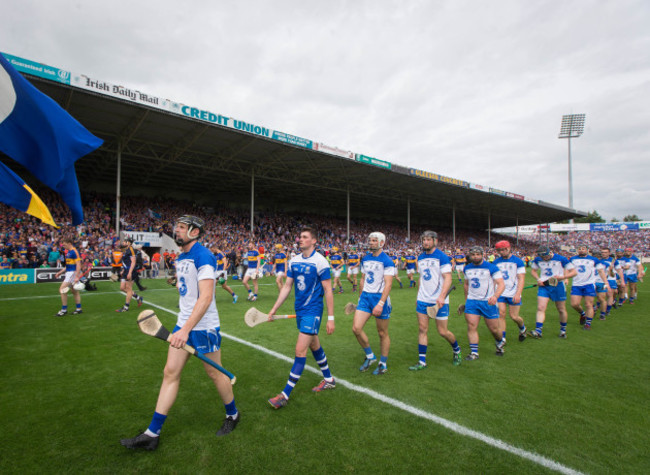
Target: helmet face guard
(431, 235)
(192, 222)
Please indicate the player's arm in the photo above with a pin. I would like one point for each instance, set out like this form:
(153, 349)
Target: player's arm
(446, 285)
(466, 286)
(639, 268)
(568, 273)
(388, 283)
(500, 287)
(206, 295)
(282, 296)
(132, 263)
(329, 303)
(535, 275)
(77, 271)
(521, 279)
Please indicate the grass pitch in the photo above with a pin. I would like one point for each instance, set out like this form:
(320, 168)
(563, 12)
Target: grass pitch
(73, 386)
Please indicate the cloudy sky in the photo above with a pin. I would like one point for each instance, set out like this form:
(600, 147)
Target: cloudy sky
(469, 89)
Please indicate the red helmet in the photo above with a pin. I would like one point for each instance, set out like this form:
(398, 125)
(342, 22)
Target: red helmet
(502, 245)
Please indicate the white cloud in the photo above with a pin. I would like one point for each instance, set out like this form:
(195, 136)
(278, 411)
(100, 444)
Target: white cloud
(467, 89)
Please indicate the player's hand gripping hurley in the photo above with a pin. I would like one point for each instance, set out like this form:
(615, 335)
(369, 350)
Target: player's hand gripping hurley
(433, 310)
(150, 325)
(254, 317)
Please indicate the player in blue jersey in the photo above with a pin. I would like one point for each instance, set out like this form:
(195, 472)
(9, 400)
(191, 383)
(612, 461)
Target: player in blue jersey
(411, 266)
(633, 271)
(433, 289)
(551, 271)
(222, 275)
(311, 273)
(353, 263)
(513, 271)
(252, 272)
(197, 324)
(377, 270)
(483, 286)
(622, 263)
(395, 258)
(129, 261)
(602, 291)
(614, 276)
(459, 262)
(72, 272)
(337, 262)
(279, 266)
(584, 283)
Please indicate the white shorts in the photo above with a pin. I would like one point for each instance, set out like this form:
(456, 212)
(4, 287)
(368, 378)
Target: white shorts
(280, 273)
(252, 273)
(220, 273)
(410, 271)
(336, 272)
(69, 277)
(353, 270)
(460, 267)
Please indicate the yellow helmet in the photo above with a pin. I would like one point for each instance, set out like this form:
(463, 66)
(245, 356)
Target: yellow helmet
(278, 246)
(335, 249)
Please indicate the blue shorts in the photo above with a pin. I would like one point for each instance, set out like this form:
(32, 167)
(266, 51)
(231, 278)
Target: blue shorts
(555, 293)
(588, 290)
(368, 301)
(204, 341)
(631, 279)
(612, 284)
(309, 324)
(509, 301)
(600, 288)
(443, 312)
(482, 309)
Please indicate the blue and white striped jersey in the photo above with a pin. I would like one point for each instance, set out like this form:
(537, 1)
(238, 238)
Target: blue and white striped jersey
(586, 267)
(374, 270)
(510, 269)
(191, 267)
(554, 267)
(432, 266)
(308, 274)
(480, 280)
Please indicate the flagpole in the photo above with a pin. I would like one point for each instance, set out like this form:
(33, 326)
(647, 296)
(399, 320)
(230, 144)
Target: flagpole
(119, 182)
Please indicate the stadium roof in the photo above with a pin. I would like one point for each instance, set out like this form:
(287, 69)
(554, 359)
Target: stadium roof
(167, 153)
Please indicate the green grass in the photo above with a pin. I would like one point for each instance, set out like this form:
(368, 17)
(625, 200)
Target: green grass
(73, 386)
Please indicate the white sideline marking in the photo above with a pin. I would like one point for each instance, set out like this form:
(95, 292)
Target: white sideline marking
(454, 427)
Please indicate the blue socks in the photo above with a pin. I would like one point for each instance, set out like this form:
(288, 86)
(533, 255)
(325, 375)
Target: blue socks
(156, 424)
(422, 351)
(294, 375)
(321, 360)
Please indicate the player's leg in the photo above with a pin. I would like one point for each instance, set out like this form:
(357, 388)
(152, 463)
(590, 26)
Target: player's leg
(247, 277)
(423, 342)
(148, 440)
(278, 281)
(502, 317)
(472, 335)
(224, 387)
(632, 292)
(77, 299)
(302, 345)
(358, 322)
(576, 300)
(255, 286)
(589, 309)
(563, 316)
(384, 344)
(63, 292)
(443, 331)
(540, 316)
(321, 360)
(603, 301)
(515, 317)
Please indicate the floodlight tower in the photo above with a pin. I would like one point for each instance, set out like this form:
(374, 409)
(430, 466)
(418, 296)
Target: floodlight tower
(572, 127)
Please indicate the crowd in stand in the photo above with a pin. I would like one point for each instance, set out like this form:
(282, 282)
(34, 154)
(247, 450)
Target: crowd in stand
(25, 242)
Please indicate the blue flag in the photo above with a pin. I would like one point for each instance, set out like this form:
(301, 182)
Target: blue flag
(15, 193)
(37, 133)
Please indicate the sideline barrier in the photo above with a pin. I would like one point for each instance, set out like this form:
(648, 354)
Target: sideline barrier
(45, 274)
